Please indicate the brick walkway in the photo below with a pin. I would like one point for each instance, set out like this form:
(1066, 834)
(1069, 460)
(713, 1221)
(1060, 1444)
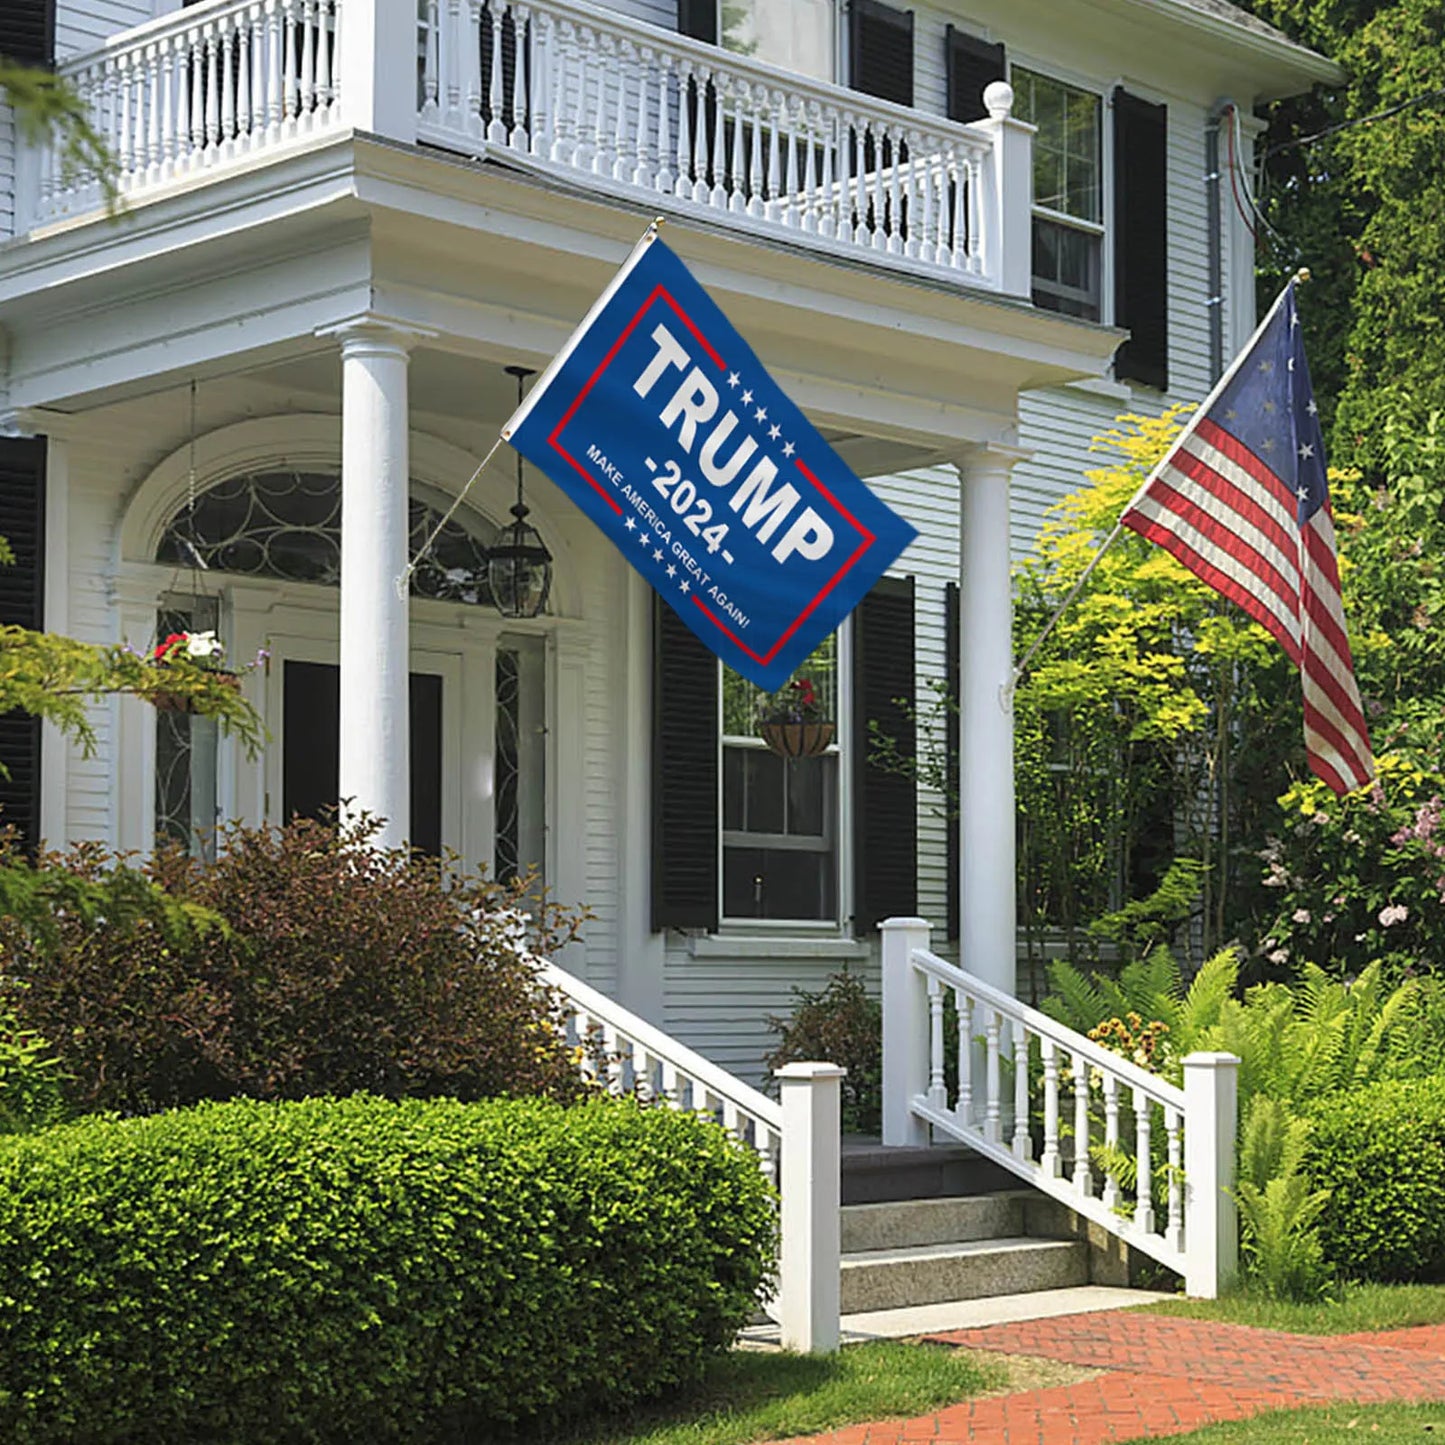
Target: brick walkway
(1165, 1377)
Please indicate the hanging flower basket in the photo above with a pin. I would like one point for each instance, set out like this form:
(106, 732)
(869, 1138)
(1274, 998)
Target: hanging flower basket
(184, 702)
(201, 648)
(793, 722)
(796, 739)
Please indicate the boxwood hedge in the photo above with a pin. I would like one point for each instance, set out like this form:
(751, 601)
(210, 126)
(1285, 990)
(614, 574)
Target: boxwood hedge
(1381, 1153)
(364, 1269)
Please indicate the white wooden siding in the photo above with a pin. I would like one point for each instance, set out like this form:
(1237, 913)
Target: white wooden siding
(662, 13)
(82, 26)
(7, 172)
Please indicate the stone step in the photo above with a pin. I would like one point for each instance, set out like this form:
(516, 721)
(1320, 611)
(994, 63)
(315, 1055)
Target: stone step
(884, 1279)
(899, 1224)
(873, 1174)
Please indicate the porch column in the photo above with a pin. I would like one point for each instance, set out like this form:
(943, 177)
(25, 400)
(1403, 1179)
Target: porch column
(986, 912)
(374, 772)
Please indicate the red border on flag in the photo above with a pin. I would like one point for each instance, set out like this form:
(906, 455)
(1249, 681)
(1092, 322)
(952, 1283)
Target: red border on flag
(554, 442)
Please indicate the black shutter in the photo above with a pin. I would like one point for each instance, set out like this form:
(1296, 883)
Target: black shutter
(880, 49)
(971, 64)
(27, 31)
(684, 776)
(22, 524)
(952, 677)
(698, 19)
(885, 806)
(1141, 282)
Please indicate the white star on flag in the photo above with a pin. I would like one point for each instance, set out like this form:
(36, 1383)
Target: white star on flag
(733, 380)
(631, 524)
(672, 571)
(657, 555)
(747, 398)
(683, 585)
(762, 413)
(774, 432)
(788, 449)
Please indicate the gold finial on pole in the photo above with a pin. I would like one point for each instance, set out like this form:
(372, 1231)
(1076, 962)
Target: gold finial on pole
(1301, 276)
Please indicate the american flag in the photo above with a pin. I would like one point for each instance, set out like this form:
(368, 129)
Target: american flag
(1241, 499)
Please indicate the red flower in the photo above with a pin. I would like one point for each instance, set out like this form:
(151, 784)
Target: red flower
(164, 649)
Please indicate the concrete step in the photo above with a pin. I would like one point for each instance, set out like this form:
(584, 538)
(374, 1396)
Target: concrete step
(873, 1174)
(885, 1279)
(898, 1224)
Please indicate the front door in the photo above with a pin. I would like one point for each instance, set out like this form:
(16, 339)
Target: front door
(311, 699)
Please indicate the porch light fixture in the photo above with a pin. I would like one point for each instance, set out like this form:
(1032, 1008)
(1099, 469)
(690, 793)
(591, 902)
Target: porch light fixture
(519, 566)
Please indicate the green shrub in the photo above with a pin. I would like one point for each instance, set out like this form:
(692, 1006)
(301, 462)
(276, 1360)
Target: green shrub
(30, 1082)
(364, 1269)
(316, 964)
(839, 1024)
(1381, 1154)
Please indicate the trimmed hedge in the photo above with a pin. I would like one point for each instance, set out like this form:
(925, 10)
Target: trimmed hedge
(363, 1269)
(1381, 1154)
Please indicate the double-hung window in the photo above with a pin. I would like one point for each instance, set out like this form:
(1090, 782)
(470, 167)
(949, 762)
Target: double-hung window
(780, 816)
(1068, 226)
(797, 35)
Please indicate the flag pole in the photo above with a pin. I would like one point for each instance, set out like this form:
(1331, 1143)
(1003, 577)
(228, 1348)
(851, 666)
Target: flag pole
(1300, 276)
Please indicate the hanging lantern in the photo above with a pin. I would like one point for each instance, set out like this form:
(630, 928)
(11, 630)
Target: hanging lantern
(519, 566)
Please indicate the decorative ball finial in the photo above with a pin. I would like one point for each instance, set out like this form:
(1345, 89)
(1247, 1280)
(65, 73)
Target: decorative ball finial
(998, 98)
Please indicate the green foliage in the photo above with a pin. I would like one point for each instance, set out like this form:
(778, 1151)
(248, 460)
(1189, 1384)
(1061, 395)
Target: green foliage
(30, 1084)
(1381, 1153)
(1283, 1255)
(302, 961)
(47, 107)
(839, 1024)
(332, 1271)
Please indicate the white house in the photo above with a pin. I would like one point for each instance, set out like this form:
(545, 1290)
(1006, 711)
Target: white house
(344, 219)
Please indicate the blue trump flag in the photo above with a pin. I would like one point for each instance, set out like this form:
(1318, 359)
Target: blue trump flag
(659, 421)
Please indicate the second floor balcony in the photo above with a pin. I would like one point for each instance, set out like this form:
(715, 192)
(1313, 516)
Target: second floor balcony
(570, 93)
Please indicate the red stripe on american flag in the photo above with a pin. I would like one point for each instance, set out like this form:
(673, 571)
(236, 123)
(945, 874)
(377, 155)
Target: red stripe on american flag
(1346, 745)
(1229, 494)
(1232, 544)
(1242, 457)
(1221, 582)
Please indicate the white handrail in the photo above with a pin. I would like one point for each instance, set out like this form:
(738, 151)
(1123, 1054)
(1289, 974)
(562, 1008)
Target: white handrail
(1149, 1162)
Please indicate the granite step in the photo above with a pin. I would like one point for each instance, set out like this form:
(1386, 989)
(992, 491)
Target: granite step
(899, 1224)
(873, 1174)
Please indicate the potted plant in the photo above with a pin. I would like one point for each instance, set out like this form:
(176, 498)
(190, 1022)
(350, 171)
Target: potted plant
(203, 651)
(793, 721)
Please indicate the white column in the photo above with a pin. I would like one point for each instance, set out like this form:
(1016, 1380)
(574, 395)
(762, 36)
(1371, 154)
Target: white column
(1008, 194)
(809, 1278)
(1211, 1219)
(374, 772)
(987, 923)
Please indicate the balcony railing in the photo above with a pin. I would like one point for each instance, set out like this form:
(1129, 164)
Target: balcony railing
(569, 89)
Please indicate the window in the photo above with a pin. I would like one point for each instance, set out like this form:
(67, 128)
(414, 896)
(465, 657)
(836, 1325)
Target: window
(797, 35)
(1068, 192)
(779, 815)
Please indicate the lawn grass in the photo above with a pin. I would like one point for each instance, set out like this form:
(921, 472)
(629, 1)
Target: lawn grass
(1360, 1307)
(1332, 1425)
(752, 1395)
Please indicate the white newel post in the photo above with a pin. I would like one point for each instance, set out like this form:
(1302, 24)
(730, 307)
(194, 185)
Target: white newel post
(375, 769)
(987, 925)
(372, 84)
(810, 1286)
(1009, 194)
(905, 1030)
(1211, 1222)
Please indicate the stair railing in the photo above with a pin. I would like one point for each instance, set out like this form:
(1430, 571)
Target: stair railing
(797, 1141)
(1151, 1163)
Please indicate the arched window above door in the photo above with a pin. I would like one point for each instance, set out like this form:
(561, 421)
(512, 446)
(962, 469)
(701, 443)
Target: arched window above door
(286, 524)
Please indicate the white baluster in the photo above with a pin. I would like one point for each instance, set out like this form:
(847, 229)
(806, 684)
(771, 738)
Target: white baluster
(624, 154)
(880, 207)
(181, 141)
(928, 178)
(601, 159)
(773, 207)
(645, 166)
(153, 80)
(258, 73)
(243, 81)
(1143, 1193)
(671, 1088)
(692, 124)
(519, 138)
(810, 172)
(1022, 1143)
(1083, 1174)
(977, 255)
(1174, 1230)
(767, 1143)
(496, 127)
(941, 246)
(612, 1045)
(579, 118)
(687, 83)
(757, 104)
(307, 79)
(166, 79)
(963, 1013)
(464, 86)
(666, 175)
(992, 1099)
(718, 197)
(544, 60)
(123, 156)
(937, 1091)
(737, 187)
(792, 199)
(730, 1119)
(845, 177)
(291, 94)
(860, 157)
(324, 50)
(228, 84)
(275, 82)
(828, 197)
(1111, 1140)
(1051, 1164)
(895, 193)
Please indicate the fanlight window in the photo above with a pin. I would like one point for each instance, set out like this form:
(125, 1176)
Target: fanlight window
(287, 524)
